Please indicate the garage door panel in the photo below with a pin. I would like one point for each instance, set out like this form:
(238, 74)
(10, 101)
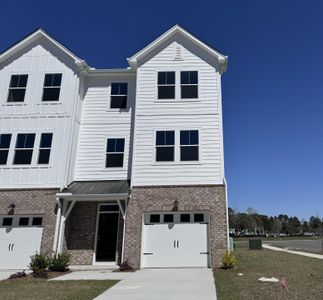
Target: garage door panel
(175, 245)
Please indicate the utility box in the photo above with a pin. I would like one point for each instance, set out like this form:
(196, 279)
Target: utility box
(255, 244)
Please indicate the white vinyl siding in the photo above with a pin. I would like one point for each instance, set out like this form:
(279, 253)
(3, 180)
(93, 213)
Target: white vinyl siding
(202, 114)
(35, 116)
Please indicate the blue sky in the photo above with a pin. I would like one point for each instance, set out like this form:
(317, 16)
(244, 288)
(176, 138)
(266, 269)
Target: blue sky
(272, 92)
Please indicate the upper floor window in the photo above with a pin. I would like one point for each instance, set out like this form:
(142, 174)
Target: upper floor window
(189, 140)
(17, 88)
(45, 148)
(115, 153)
(119, 93)
(5, 140)
(24, 148)
(166, 85)
(189, 84)
(52, 87)
(165, 144)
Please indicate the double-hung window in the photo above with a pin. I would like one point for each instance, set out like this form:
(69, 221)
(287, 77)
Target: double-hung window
(189, 84)
(5, 140)
(45, 148)
(17, 88)
(165, 145)
(52, 87)
(119, 93)
(115, 153)
(24, 148)
(166, 85)
(189, 140)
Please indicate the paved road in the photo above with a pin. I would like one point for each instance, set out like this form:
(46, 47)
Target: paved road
(313, 246)
(162, 284)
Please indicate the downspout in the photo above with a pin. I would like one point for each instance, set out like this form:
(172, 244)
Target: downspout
(57, 227)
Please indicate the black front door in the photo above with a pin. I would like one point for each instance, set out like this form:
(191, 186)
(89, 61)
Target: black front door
(107, 237)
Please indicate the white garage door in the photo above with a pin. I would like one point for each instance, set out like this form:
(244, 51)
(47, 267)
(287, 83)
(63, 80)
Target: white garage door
(20, 237)
(175, 240)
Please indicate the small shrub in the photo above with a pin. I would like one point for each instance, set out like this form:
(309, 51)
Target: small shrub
(38, 264)
(229, 260)
(60, 262)
(124, 266)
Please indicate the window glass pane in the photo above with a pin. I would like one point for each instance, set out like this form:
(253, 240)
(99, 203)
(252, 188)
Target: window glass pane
(23, 157)
(111, 146)
(43, 157)
(168, 218)
(165, 154)
(193, 77)
(123, 88)
(46, 140)
(119, 145)
(51, 94)
(25, 140)
(23, 221)
(16, 95)
(185, 218)
(114, 160)
(194, 137)
(57, 79)
(5, 140)
(170, 138)
(115, 87)
(3, 157)
(118, 102)
(166, 92)
(170, 77)
(109, 207)
(154, 218)
(37, 221)
(161, 77)
(185, 137)
(189, 91)
(7, 222)
(189, 153)
(198, 217)
(48, 80)
(14, 81)
(185, 77)
(160, 138)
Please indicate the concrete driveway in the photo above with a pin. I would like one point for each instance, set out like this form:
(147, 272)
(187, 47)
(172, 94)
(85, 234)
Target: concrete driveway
(161, 284)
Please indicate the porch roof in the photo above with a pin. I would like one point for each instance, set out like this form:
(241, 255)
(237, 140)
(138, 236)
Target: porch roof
(97, 188)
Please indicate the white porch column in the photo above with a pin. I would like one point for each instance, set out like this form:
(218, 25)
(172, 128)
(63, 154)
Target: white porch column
(58, 219)
(62, 227)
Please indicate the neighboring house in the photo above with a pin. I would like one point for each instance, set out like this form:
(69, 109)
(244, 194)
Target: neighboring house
(113, 164)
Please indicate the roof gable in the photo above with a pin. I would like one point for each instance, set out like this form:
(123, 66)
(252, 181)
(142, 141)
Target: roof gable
(33, 37)
(177, 29)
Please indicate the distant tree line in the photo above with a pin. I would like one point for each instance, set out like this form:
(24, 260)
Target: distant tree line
(252, 223)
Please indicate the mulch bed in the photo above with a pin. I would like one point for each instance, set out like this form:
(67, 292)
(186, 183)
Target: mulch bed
(47, 275)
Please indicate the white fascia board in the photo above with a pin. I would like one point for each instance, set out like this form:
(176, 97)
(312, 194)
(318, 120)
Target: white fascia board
(124, 71)
(177, 29)
(95, 197)
(33, 37)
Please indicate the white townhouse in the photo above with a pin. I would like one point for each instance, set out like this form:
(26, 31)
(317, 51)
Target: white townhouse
(113, 165)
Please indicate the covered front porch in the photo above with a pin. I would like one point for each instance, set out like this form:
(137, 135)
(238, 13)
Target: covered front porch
(90, 221)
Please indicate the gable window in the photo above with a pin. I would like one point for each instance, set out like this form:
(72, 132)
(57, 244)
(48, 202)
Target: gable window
(115, 153)
(5, 140)
(165, 142)
(189, 84)
(189, 145)
(17, 88)
(166, 85)
(45, 148)
(119, 92)
(24, 148)
(52, 87)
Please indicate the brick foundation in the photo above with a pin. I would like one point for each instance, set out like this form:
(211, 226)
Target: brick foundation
(189, 198)
(33, 201)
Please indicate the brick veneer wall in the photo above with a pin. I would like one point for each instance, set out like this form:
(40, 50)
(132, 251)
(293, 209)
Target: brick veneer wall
(189, 198)
(30, 202)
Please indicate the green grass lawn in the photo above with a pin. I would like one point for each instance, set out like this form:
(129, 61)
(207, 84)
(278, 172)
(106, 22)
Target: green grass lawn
(304, 276)
(42, 289)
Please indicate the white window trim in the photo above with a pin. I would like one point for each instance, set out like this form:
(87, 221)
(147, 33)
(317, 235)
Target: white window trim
(177, 159)
(52, 87)
(45, 148)
(17, 103)
(110, 94)
(106, 152)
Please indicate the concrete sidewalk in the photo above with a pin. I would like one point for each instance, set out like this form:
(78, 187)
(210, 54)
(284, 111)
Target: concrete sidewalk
(312, 255)
(162, 284)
